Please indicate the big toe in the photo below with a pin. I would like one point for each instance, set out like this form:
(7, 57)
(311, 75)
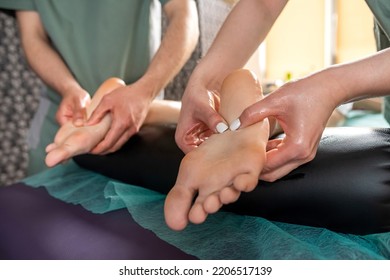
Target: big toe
(56, 156)
(176, 207)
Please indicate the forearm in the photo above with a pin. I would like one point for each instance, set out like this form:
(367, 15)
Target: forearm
(361, 79)
(41, 56)
(176, 47)
(242, 32)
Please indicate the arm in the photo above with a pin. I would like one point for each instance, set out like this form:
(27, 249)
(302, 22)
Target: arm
(242, 32)
(177, 45)
(49, 66)
(303, 107)
(129, 106)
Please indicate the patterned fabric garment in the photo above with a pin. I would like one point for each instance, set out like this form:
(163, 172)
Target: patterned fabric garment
(19, 92)
(20, 88)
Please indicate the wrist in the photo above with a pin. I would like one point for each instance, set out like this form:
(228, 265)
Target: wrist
(72, 88)
(336, 87)
(149, 87)
(139, 93)
(353, 82)
(211, 80)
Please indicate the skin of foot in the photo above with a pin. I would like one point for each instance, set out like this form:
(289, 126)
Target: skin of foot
(72, 140)
(224, 165)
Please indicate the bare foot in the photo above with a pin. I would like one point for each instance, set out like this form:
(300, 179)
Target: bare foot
(225, 164)
(71, 140)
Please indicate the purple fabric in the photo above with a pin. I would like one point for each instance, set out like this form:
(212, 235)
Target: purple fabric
(34, 225)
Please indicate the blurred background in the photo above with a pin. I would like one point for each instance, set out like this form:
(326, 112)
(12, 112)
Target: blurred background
(308, 36)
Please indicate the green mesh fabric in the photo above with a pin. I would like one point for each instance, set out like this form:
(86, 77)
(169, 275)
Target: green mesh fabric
(365, 119)
(222, 236)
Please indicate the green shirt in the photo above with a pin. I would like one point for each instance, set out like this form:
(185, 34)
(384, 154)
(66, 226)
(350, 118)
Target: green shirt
(381, 11)
(99, 39)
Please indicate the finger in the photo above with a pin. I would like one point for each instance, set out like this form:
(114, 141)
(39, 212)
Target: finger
(112, 136)
(98, 114)
(190, 139)
(281, 161)
(62, 118)
(213, 121)
(104, 146)
(186, 148)
(273, 143)
(254, 113)
(209, 115)
(277, 173)
(205, 134)
(79, 116)
(183, 143)
(122, 140)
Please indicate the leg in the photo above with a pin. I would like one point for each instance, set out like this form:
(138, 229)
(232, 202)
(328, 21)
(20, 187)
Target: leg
(71, 140)
(225, 164)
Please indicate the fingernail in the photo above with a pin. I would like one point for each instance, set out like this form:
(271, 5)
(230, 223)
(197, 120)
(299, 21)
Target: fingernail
(221, 127)
(79, 122)
(235, 125)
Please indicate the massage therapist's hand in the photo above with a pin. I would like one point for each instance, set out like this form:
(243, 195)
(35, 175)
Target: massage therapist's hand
(302, 109)
(198, 116)
(73, 106)
(128, 107)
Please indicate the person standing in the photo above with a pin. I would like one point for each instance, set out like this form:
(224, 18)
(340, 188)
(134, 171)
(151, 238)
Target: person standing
(76, 45)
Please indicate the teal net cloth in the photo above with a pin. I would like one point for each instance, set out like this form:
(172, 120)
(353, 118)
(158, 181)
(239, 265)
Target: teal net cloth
(222, 236)
(365, 119)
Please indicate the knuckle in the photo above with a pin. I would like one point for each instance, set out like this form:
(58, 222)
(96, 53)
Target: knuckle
(303, 152)
(178, 138)
(246, 114)
(103, 146)
(130, 131)
(120, 126)
(269, 177)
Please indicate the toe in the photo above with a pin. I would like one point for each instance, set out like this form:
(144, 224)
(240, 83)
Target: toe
(212, 203)
(229, 195)
(177, 205)
(197, 213)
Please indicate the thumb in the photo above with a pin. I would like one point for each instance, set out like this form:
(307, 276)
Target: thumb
(214, 121)
(80, 110)
(253, 114)
(80, 116)
(97, 115)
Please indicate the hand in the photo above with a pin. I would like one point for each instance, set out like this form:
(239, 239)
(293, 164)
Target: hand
(128, 107)
(198, 117)
(302, 109)
(73, 107)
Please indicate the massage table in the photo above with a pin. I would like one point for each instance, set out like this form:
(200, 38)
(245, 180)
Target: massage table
(111, 207)
(35, 225)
